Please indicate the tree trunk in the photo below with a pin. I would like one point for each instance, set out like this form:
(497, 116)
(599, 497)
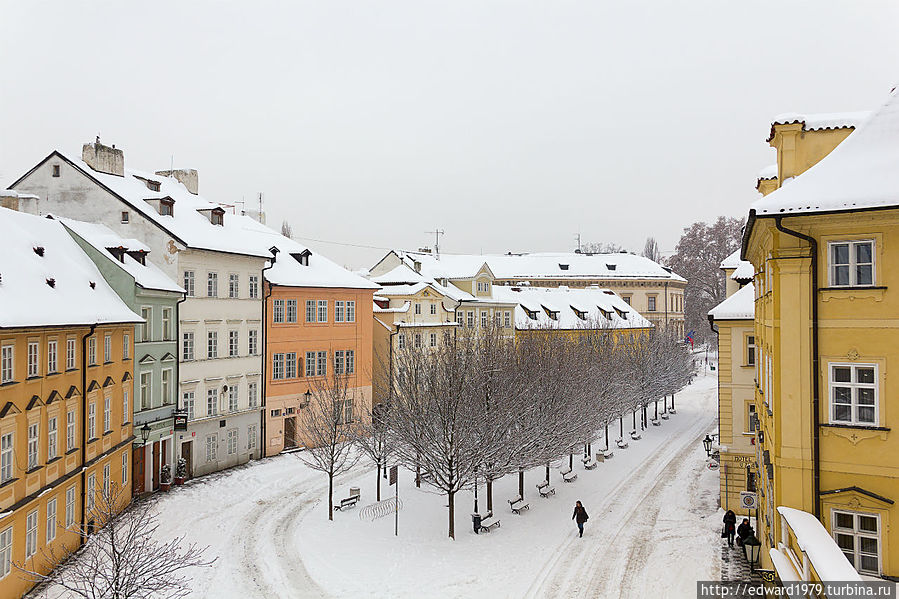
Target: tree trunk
(452, 519)
(330, 496)
(656, 417)
(672, 401)
(635, 420)
(607, 436)
(379, 480)
(489, 494)
(521, 483)
(547, 471)
(417, 473)
(571, 461)
(621, 427)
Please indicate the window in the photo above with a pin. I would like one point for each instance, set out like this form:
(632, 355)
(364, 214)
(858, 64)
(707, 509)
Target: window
(310, 363)
(460, 317)
(291, 310)
(433, 308)
(253, 340)
(126, 346)
(417, 339)
(107, 413)
(6, 363)
(107, 348)
(145, 390)
(278, 312)
(70, 506)
(211, 446)
(350, 361)
(34, 355)
(252, 395)
(167, 387)
(323, 310)
(124, 468)
(146, 327)
(310, 310)
(752, 418)
(211, 402)
(212, 344)
(33, 438)
(750, 480)
(212, 284)
(106, 481)
(70, 430)
(339, 311)
(433, 340)
(70, 354)
(351, 311)
(6, 457)
(339, 363)
(55, 170)
(233, 343)
(851, 263)
(232, 398)
(251, 437)
(187, 346)
(232, 441)
(52, 438)
(858, 536)
(853, 396)
(52, 365)
(470, 315)
(233, 286)
(750, 350)
(126, 407)
(189, 283)
(51, 520)
(627, 299)
(401, 341)
(92, 421)
(5, 551)
(254, 286)
(651, 303)
(277, 367)
(483, 319)
(290, 365)
(90, 491)
(417, 308)
(31, 534)
(187, 403)
(322, 366)
(167, 324)
(507, 319)
(344, 411)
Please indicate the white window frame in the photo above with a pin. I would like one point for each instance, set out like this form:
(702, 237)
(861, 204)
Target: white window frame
(233, 343)
(310, 311)
(190, 283)
(126, 407)
(167, 324)
(166, 387)
(31, 534)
(211, 447)
(7, 363)
(310, 363)
(70, 506)
(52, 437)
(124, 468)
(34, 359)
(234, 286)
(321, 366)
(107, 414)
(146, 390)
(187, 345)
(187, 403)
(212, 398)
(90, 493)
(92, 420)
(212, 284)
(252, 342)
(212, 345)
(232, 441)
(852, 264)
(290, 312)
(107, 348)
(51, 520)
(71, 430)
(350, 361)
(146, 327)
(52, 356)
(34, 451)
(233, 398)
(322, 310)
(350, 311)
(290, 365)
(254, 286)
(251, 437)
(277, 367)
(5, 552)
(339, 310)
(278, 311)
(7, 452)
(853, 385)
(252, 394)
(855, 532)
(71, 354)
(126, 346)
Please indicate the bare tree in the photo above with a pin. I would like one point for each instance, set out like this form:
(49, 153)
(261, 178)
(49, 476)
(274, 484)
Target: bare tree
(594, 247)
(373, 438)
(328, 426)
(122, 559)
(651, 250)
(286, 229)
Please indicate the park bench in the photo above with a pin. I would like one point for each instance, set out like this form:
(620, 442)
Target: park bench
(347, 502)
(590, 464)
(636, 436)
(608, 454)
(664, 416)
(672, 411)
(518, 505)
(655, 422)
(545, 489)
(488, 523)
(568, 476)
(621, 443)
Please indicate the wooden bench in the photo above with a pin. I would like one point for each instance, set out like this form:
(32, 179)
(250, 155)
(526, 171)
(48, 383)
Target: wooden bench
(545, 489)
(590, 464)
(488, 523)
(568, 476)
(672, 411)
(608, 455)
(636, 436)
(347, 503)
(518, 505)
(664, 416)
(655, 422)
(621, 443)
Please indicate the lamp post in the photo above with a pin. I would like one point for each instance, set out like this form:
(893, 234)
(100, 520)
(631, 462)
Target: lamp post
(707, 444)
(751, 549)
(476, 511)
(308, 396)
(145, 433)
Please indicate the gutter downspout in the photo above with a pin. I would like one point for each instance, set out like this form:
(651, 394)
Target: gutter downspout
(81, 536)
(816, 450)
(666, 304)
(265, 297)
(718, 378)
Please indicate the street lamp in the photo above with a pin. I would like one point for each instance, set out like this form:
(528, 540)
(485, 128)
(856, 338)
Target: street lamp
(308, 396)
(145, 433)
(751, 549)
(707, 444)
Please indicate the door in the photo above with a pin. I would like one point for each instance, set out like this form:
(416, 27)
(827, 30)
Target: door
(156, 465)
(290, 432)
(139, 471)
(186, 451)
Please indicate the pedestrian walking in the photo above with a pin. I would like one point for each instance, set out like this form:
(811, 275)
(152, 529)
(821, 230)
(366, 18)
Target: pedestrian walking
(580, 516)
(730, 525)
(744, 531)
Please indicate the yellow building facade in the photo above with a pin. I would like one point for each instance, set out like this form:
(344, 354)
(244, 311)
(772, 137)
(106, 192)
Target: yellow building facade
(826, 322)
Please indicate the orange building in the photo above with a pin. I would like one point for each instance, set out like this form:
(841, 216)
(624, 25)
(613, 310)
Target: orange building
(318, 321)
(66, 355)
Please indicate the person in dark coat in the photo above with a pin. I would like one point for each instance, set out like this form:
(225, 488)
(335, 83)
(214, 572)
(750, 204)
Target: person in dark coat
(744, 531)
(580, 516)
(730, 523)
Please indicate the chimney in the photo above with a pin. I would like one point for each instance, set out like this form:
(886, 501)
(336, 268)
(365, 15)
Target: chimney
(187, 176)
(104, 159)
(9, 199)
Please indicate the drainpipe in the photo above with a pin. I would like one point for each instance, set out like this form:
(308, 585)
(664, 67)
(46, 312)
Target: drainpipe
(718, 400)
(816, 452)
(178, 349)
(84, 429)
(274, 250)
(666, 304)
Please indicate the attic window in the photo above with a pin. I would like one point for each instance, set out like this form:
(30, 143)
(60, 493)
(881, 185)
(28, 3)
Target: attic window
(607, 314)
(55, 170)
(563, 266)
(39, 250)
(51, 282)
(153, 185)
(93, 285)
(611, 266)
(554, 314)
(621, 313)
(302, 257)
(532, 314)
(580, 313)
(125, 217)
(139, 256)
(166, 205)
(118, 253)
(217, 217)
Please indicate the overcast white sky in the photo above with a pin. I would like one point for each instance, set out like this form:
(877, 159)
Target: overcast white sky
(512, 125)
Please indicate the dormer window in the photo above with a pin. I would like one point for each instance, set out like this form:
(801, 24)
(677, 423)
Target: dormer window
(166, 206)
(39, 250)
(563, 266)
(553, 314)
(302, 257)
(216, 216)
(153, 185)
(117, 252)
(607, 314)
(532, 314)
(621, 313)
(579, 313)
(139, 256)
(611, 266)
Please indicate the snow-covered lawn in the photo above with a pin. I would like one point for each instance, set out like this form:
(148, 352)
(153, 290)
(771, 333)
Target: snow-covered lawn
(651, 531)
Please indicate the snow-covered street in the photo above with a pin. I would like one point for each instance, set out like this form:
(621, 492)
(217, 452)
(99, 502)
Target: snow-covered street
(651, 530)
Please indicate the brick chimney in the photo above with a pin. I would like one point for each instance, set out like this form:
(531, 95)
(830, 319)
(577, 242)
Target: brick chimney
(187, 176)
(104, 159)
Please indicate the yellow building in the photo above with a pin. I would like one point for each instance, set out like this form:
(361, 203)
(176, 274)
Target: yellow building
(66, 349)
(733, 321)
(826, 321)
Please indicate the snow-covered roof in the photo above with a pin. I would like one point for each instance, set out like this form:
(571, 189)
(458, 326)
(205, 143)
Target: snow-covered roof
(769, 172)
(600, 308)
(860, 172)
(101, 237)
(823, 552)
(544, 265)
(731, 261)
(744, 272)
(47, 280)
(739, 306)
(824, 120)
(403, 280)
(237, 234)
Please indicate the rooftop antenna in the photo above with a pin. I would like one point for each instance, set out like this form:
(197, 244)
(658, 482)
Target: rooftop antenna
(437, 233)
(578, 237)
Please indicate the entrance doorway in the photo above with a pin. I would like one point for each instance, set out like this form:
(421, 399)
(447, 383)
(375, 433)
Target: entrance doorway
(290, 432)
(187, 453)
(156, 465)
(139, 469)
